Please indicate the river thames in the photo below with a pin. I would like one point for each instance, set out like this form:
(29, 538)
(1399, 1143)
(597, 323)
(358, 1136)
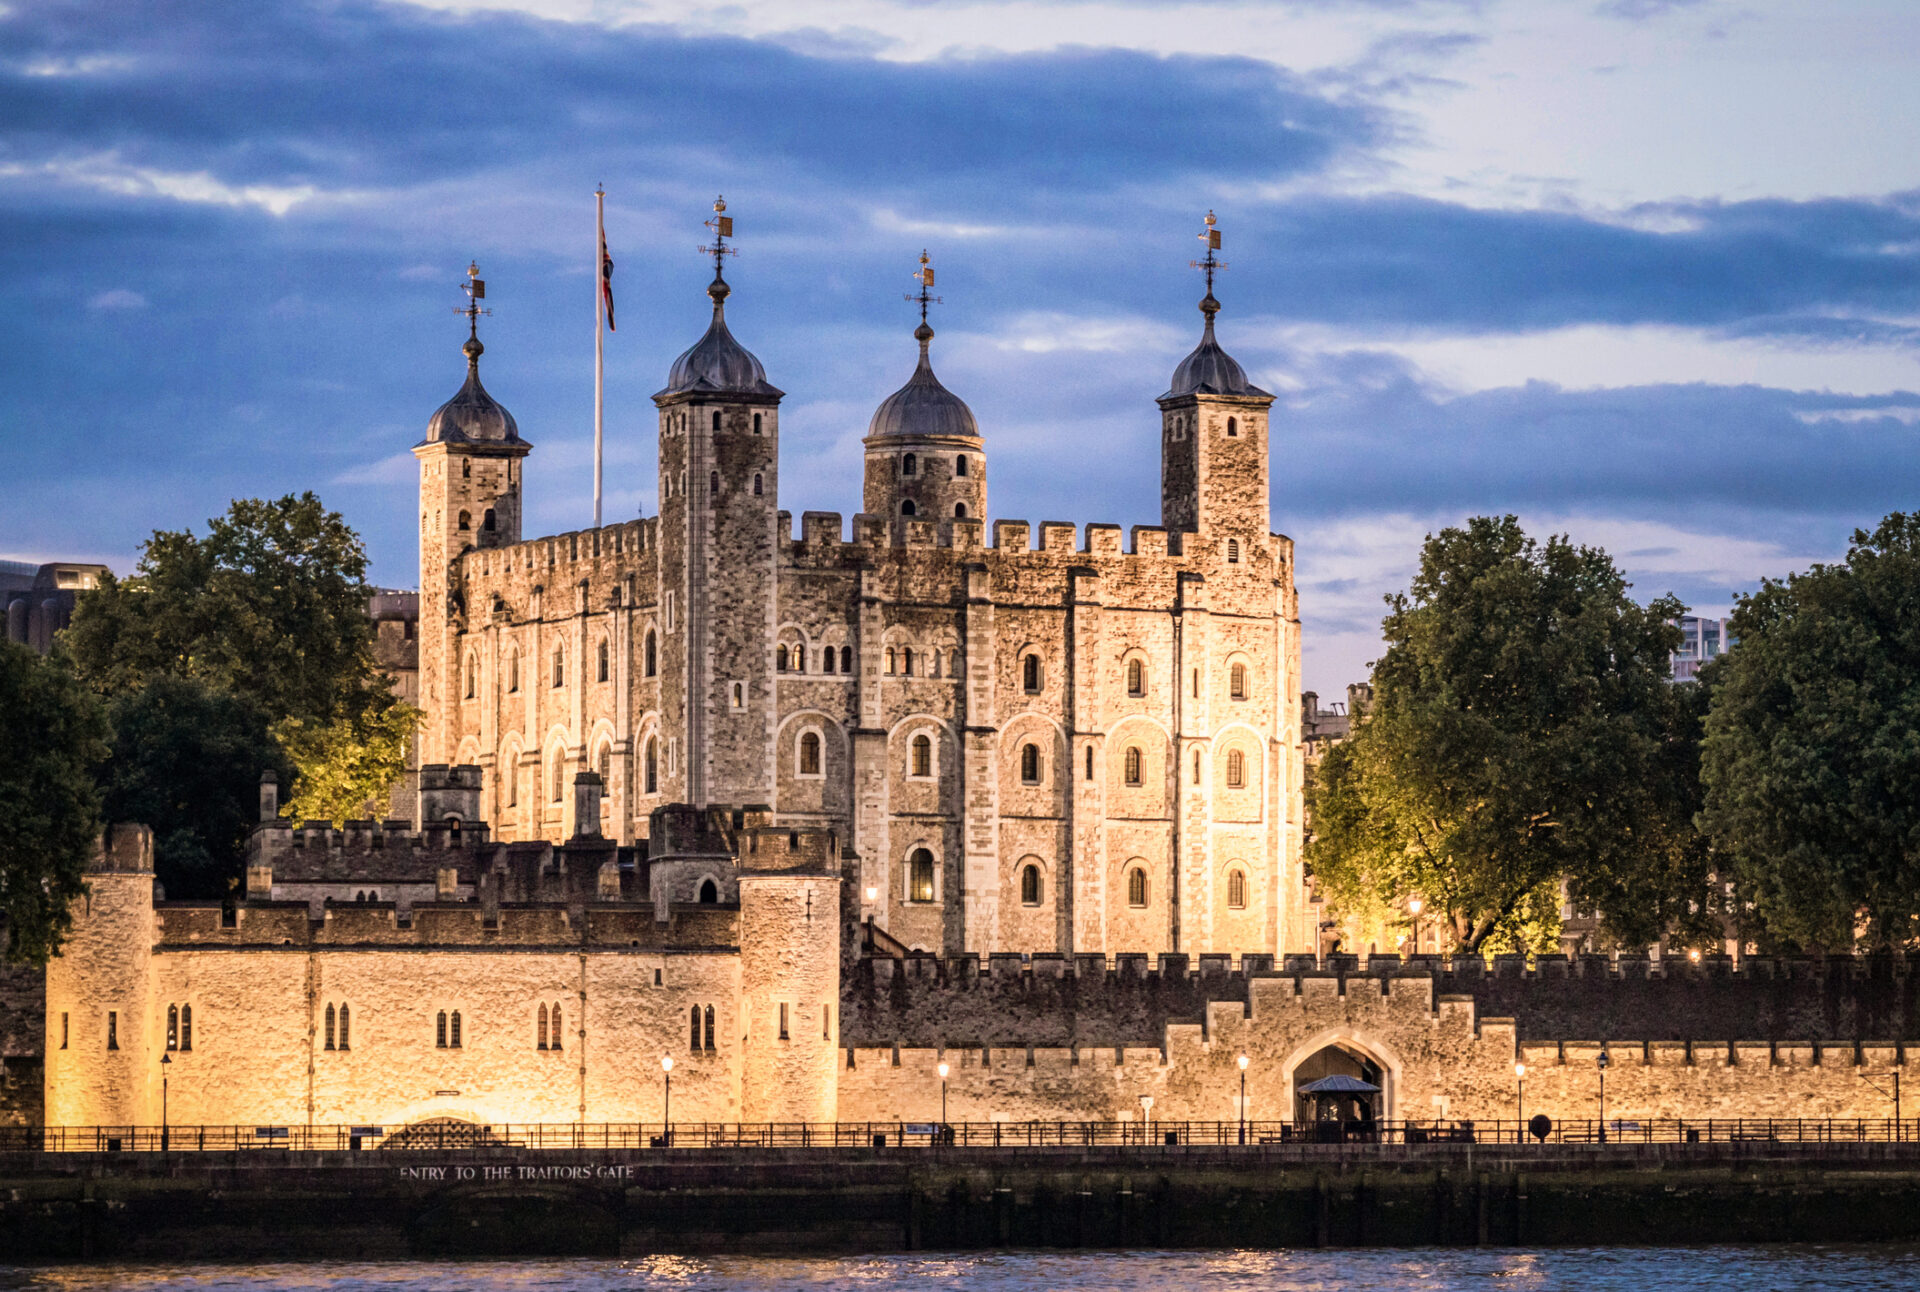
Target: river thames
(1629, 1269)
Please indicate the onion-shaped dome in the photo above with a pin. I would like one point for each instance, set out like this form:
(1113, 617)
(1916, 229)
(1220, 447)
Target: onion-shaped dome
(473, 416)
(718, 364)
(1209, 370)
(923, 406)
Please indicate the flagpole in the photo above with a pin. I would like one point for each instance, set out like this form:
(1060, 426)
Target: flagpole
(599, 341)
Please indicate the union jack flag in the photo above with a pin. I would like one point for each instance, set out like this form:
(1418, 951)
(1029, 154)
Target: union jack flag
(606, 280)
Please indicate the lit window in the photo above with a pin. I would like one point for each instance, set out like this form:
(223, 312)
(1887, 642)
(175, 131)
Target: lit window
(920, 876)
(173, 1028)
(709, 1021)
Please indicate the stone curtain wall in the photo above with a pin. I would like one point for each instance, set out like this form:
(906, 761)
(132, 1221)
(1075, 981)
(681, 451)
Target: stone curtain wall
(23, 1014)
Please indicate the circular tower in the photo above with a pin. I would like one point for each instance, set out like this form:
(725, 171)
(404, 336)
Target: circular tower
(925, 458)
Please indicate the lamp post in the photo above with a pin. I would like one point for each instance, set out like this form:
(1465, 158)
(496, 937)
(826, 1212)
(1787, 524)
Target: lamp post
(166, 1061)
(1146, 1106)
(944, 1069)
(1603, 1061)
(666, 1104)
(1520, 1100)
(1243, 1098)
(1414, 907)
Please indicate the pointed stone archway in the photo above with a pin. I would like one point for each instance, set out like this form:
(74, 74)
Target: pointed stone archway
(1342, 1051)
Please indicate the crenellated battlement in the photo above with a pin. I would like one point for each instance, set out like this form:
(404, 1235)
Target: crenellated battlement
(607, 553)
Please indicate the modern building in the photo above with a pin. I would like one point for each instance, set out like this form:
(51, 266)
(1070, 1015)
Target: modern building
(39, 599)
(1703, 639)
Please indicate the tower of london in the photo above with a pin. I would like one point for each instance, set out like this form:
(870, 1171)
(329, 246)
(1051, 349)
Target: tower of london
(1032, 738)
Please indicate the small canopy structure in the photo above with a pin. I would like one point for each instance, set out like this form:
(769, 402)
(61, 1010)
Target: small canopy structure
(1342, 1107)
(1339, 1084)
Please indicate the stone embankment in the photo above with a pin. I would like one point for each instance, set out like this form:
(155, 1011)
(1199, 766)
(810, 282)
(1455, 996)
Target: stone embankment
(497, 1202)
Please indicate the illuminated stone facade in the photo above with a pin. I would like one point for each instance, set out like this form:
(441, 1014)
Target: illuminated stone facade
(1036, 739)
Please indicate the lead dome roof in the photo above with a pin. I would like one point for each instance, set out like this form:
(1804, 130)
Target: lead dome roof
(473, 416)
(1210, 370)
(716, 363)
(923, 406)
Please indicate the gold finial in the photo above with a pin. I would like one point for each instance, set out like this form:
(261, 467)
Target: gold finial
(924, 276)
(1212, 264)
(476, 289)
(722, 226)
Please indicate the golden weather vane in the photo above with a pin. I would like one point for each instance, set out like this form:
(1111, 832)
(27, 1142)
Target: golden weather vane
(924, 276)
(476, 289)
(722, 226)
(1211, 237)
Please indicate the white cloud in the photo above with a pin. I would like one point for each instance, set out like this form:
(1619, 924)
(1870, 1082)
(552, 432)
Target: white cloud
(119, 298)
(397, 468)
(105, 172)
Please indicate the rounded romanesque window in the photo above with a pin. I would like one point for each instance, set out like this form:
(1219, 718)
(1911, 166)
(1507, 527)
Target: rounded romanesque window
(466, 469)
(1137, 887)
(908, 509)
(1233, 551)
(960, 466)
(513, 670)
(716, 421)
(486, 520)
(826, 660)
(1237, 682)
(1030, 675)
(1030, 764)
(651, 764)
(756, 431)
(559, 666)
(758, 490)
(810, 753)
(1136, 677)
(909, 465)
(1030, 885)
(846, 659)
(1133, 765)
(1236, 769)
(605, 659)
(906, 661)
(780, 659)
(652, 654)
(1237, 889)
(922, 756)
(891, 659)
(1233, 428)
(466, 521)
(920, 876)
(959, 511)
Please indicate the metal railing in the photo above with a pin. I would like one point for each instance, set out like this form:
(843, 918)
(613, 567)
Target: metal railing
(446, 1136)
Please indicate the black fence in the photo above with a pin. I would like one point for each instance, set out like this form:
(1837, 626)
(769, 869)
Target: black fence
(444, 1136)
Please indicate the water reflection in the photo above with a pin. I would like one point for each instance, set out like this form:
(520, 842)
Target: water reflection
(1608, 1269)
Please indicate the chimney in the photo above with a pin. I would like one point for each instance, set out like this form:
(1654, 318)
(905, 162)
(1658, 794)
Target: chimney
(586, 805)
(609, 881)
(446, 881)
(269, 796)
(449, 794)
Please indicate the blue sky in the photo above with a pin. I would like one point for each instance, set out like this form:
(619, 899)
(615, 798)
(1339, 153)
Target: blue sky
(1643, 271)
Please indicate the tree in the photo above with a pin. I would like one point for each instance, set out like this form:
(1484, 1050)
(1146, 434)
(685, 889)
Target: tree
(49, 805)
(186, 761)
(347, 763)
(1811, 760)
(1522, 732)
(271, 605)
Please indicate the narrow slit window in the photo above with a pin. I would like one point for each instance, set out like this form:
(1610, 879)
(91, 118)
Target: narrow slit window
(693, 1025)
(440, 1031)
(453, 1031)
(652, 767)
(173, 1029)
(605, 660)
(186, 1028)
(783, 1022)
(1136, 677)
(1237, 889)
(758, 488)
(1133, 765)
(1136, 887)
(708, 1013)
(1030, 885)
(540, 1041)
(1089, 762)
(1236, 769)
(1030, 674)
(652, 654)
(1237, 682)
(1030, 764)
(113, 1029)
(329, 1028)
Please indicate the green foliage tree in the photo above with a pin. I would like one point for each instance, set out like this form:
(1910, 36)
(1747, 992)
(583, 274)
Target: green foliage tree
(49, 805)
(1811, 760)
(347, 763)
(1522, 731)
(186, 761)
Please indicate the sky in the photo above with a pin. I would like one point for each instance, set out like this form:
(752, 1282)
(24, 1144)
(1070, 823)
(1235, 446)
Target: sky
(1644, 272)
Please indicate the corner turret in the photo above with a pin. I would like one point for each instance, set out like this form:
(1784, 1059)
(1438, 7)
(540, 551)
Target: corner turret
(925, 458)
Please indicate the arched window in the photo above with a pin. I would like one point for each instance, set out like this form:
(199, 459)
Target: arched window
(1030, 885)
(953, 662)
(186, 1028)
(1136, 677)
(693, 1028)
(466, 521)
(652, 764)
(960, 467)
(810, 753)
(486, 521)
(512, 775)
(1196, 767)
(1233, 428)
(653, 658)
(757, 489)
(920, 876)
(541, 1042)
(327, 1046)
(708, 1012)
(909, 465)
(1030, 674)
(553, 1031)
(173, 1028)
(559, 775)
(1237, 889)
(453, 1031)
(466, 468)
(1233, 551)
(1236, 769)
(605, 656)
(756, 431)
(908, 509)
(1136, 887)
(440, 1031)
(780, 659)
(709, 892)
(1089, 762)
(1030, 764)
(826, 660)
(473, 676)
(906, 661)
(559, 665)
(846, 659)
(605, 762)
(1133, 765)
(890, 659)
(713, 482)
(959, 511)
(716, 421)
(1237, 682)
(513, 670)
(346, 1029)
(922, 756)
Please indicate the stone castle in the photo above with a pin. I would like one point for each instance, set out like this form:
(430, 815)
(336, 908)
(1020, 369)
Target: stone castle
(859, 828)
(1087, 745)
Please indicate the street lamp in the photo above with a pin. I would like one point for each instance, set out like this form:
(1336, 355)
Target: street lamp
(1146, 1105)
(666, 1111)
(1603, 1061)
(1520, 1099)
(1414, 907)
(1243, 1098)
(944, 1069)
(166, 1061)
